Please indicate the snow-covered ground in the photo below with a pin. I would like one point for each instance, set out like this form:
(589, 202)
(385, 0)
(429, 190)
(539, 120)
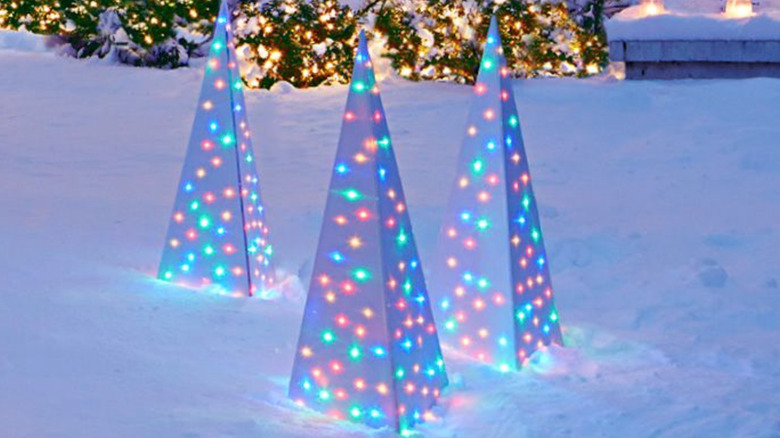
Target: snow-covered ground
(659, 202)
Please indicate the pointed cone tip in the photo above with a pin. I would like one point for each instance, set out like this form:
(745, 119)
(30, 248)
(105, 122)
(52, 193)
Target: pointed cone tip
(493, 29)
(362, 42)
(362, 56)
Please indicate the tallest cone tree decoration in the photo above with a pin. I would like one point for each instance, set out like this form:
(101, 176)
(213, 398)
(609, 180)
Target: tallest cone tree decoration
(368, 349)
(497, 304)
(218, 234)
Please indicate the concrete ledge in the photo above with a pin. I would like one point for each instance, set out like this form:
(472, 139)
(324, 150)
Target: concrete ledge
(701, 70)
(675, 59)
(701, 50)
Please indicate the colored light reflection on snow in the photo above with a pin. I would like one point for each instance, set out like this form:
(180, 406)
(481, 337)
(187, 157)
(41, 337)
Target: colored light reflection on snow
(368, 349)
(496, 301)
(215, 237)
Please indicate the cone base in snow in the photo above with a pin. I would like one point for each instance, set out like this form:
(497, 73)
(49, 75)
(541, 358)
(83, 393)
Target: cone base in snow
(495, 299)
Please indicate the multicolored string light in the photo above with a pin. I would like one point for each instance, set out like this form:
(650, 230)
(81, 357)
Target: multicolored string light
(368, 349)
(218, 234)
(496, 301)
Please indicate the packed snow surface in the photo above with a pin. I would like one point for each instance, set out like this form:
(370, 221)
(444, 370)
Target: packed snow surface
(660, 208)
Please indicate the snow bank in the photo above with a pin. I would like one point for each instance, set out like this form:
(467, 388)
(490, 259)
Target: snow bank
(22, 41)
(695, 19)
(673, 26)
(712, 6)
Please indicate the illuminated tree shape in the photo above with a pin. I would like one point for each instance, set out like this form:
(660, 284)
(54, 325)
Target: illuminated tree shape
(494, 294)
(218, 233)
(368, 349)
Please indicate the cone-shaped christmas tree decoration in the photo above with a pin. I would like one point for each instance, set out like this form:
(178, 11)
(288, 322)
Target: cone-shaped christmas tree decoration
(494, 297)
(368, 349)
(218, 233)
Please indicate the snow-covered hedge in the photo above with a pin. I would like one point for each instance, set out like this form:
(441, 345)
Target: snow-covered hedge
(310, 42)
(38, 16)
(304, 42)
(161, 33)
(441, 39)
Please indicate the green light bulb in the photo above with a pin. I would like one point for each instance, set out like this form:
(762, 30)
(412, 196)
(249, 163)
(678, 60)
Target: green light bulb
(355, 352)
(352, 195)
(401, 238)
(477, 166)
(361, 275)
(328, 337)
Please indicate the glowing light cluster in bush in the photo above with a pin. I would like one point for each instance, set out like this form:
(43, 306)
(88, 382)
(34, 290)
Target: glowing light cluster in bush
(492, 270)
(38, 16)
(440, 40)
(368, 349)
(218, 234)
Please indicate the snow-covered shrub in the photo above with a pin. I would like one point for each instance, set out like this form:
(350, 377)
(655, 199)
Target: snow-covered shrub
(590, 15)
(38, 16)
(441, 39)
(303, 42)
(398, 25)
(311, 42)
(151, 33)
(162, 33)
